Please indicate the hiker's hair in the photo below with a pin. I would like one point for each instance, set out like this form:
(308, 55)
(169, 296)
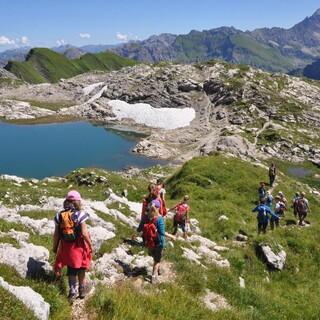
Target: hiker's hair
(72, 205)
(151, 187)
(186, 198)
(160, 181)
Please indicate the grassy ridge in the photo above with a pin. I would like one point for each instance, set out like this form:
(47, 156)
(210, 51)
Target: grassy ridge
(45, 65)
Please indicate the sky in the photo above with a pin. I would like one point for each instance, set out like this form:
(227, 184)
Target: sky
(49, 23)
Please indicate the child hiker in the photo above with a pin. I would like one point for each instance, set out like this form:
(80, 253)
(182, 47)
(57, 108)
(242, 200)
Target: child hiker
(263, 216)
(71, 242)
(181, 217)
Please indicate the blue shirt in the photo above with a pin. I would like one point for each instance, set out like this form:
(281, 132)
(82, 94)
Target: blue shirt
(264, 213)
(262, 192)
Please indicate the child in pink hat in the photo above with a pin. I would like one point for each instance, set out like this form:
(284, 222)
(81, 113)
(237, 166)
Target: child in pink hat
(72, 243)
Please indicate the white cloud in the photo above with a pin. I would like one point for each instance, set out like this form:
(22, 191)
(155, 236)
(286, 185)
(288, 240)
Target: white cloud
(122, 37)
(6, 41)
(60, 42)
(85, 35)
(24, 40)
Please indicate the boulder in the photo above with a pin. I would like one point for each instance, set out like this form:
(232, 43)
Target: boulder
(274, 261)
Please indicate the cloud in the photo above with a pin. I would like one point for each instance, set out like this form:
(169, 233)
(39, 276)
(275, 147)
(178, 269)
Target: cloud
(24, 40)
(85, 35)
(60, 42)
(122, 37)
(6, 41)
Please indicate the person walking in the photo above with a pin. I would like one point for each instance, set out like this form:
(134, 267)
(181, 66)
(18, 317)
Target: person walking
(72, 244)
(272, 174)
(302, 208)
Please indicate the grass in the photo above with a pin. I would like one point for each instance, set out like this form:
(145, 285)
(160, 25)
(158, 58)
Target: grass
(45, 65)
(48, 214)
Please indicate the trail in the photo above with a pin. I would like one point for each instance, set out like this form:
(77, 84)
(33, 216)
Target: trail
(78, 310)
(266, 124)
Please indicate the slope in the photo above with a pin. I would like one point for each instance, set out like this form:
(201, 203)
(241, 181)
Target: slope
(45, 65)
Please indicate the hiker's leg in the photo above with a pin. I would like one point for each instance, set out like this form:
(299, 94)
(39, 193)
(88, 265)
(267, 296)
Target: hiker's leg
(175, 227)
(183, 228)
(272, 224)
(277, 221)
(264, 227)
(157, 255)
(259, 227)
(82, 277)
(72, 279)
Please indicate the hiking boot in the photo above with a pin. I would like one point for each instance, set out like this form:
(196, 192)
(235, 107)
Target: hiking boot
(72, 297)
(84, 290)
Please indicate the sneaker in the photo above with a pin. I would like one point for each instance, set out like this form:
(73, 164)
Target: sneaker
(84, 290)
(72, 297)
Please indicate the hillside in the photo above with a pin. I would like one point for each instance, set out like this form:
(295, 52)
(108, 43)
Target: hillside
(45, 65)
(223, 191)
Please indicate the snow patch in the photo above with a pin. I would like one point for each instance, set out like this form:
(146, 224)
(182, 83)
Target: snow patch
(88, 89)
(143, 113)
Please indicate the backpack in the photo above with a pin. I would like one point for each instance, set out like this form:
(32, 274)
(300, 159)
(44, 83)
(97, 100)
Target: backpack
(67, 226)
(302, 207)
(150, 234)
(182, 209)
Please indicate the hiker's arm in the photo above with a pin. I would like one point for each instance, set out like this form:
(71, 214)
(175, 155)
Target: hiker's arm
(187, 216)
(255, 209)
(173, 208)
(56, 239)
(85, 234)
(170, 236)
(273, 214)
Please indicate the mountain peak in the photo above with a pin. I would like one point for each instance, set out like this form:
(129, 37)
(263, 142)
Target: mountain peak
(317, 13)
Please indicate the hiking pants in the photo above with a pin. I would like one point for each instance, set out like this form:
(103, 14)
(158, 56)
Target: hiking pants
(262, 226)
(274, 223)
(271, 179)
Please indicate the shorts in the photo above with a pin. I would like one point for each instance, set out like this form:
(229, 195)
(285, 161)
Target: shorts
(74, 271)
(181, 224)
(156, 254)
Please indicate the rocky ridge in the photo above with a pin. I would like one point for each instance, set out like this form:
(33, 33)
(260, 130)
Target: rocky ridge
(231, 105)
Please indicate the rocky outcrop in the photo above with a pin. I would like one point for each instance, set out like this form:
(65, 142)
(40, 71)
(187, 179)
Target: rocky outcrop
(30, 298)
(274, 261)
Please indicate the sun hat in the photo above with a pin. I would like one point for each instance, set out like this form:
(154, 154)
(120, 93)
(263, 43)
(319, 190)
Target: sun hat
(73, 195)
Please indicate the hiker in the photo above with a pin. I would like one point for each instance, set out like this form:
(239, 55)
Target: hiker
(262, 190)
(181, 217)
(272, 174)
(263, 216)
(161, 194)
(72, 244)
(269, 199)
(146, 205)
(294, 204)
(279, 211)
(154, 236)
(302, 208)
(283, 198)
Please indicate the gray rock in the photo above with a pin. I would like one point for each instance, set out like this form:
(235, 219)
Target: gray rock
(274, 261)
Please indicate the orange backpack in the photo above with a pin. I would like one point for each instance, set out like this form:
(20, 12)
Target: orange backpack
(67, 226)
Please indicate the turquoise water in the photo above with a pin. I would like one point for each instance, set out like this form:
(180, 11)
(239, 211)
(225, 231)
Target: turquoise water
(44, 150)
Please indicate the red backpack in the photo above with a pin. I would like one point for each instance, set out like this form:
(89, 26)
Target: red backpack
(150, 234)
(182, 210)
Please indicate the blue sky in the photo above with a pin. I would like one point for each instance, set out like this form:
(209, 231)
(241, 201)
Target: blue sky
(80, 22)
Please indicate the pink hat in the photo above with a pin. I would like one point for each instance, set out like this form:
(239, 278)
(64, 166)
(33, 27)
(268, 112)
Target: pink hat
(73, 195)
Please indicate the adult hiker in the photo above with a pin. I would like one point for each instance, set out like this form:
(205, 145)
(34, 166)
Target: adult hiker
(294, 204)
(181, 217)
(269, 199)
(72, 243)
(302, 208)
(272, 174)
(262, 190)
(161, 194)
(263, 216)
(154, 237)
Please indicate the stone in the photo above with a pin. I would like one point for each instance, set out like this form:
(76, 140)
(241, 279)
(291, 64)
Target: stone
(274, 261)
(214, 301)
(223, 218)
(241, 237)
(31, 299)
(242, 282)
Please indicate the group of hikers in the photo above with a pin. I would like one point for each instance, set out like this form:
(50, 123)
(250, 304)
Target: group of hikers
(73, 246)
(272, 211)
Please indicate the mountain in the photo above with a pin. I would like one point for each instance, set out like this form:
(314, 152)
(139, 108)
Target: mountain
(311, 71)
(274, 49)
(18, 54)
(45, 65)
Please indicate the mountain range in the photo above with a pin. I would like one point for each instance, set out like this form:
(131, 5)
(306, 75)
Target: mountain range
(273, 49)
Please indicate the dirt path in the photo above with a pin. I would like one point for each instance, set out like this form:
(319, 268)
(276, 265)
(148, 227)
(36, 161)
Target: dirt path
(79, 311)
